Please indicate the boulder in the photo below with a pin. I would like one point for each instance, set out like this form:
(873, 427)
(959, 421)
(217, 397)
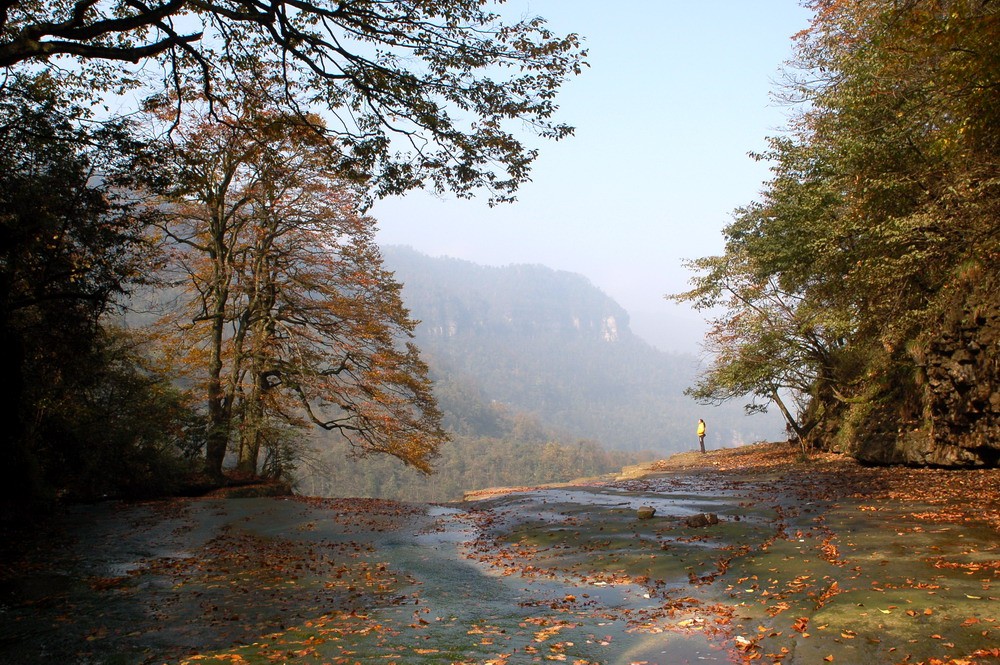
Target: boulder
(645, 512)
(703, 519)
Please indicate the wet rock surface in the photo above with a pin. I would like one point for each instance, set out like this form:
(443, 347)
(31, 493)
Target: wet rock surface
(812, 562)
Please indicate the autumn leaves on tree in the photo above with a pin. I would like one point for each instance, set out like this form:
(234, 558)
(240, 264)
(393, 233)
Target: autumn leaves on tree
(266, 132)
(286, 317)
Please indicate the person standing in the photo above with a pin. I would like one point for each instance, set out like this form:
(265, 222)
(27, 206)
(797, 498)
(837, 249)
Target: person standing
(701, 434)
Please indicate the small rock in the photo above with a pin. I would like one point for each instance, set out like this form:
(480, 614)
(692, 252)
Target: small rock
(704, 519)
(645, 512)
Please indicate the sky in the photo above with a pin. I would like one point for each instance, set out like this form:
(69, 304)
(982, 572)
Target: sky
(676, 96)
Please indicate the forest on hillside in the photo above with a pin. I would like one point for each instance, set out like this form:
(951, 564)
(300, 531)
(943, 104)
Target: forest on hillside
(488, 446)
(551, 344)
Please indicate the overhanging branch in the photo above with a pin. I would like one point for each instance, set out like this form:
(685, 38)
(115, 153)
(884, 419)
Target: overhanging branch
(76, 37)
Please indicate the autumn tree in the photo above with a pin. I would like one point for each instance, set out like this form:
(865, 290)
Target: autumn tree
(291, 319)
(909, 121)
(767, 345)
(881, 221)
(412, 93)
(777, 335)
(399, 95)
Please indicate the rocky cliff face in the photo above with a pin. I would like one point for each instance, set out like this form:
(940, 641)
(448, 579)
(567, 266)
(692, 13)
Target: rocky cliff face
(960, 399)
(459, 299)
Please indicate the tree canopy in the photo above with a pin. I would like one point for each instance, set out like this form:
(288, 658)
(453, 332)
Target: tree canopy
(877, 232)
(413, 93)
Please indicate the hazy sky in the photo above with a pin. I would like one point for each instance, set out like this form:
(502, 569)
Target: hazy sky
(677, 94)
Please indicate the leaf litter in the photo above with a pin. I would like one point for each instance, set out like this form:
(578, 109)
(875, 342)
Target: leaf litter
(811, 561)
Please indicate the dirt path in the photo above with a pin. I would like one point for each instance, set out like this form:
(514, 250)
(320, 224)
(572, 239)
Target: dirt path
(810, 562)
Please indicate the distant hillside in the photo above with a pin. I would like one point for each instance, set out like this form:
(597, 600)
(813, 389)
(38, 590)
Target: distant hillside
(550, 344)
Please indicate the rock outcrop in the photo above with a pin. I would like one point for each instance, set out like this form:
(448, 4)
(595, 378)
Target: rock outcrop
(959, 376)
(962, 395)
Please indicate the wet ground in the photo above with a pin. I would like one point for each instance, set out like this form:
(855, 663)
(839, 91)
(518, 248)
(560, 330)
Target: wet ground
(798, 569)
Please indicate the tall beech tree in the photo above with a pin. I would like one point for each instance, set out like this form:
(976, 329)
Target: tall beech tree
(290, 319)
(413, 93)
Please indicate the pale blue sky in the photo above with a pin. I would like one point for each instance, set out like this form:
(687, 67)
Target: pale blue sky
(676, 95)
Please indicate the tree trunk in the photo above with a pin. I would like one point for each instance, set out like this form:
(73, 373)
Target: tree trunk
(220, 415)
(260, 330)
(217, 440)
(799, 432)
(253, 421)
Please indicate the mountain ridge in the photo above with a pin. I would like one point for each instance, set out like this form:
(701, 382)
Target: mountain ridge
(550, 343)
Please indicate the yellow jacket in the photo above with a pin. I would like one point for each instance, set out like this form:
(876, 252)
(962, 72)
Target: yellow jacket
(701, 428)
